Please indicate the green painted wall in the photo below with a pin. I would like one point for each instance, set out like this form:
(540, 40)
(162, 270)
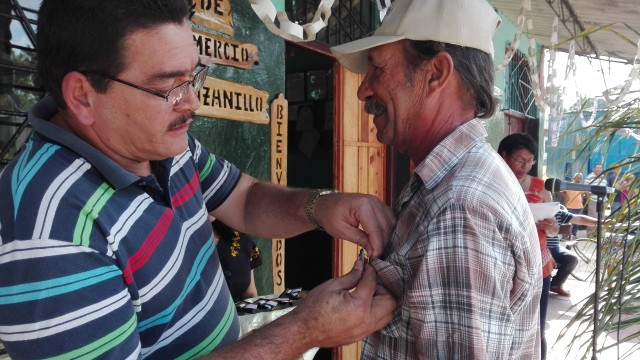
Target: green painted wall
(245, 144)
(278, 4)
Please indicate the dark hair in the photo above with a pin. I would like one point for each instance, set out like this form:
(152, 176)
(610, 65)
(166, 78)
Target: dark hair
(514, 142)
(474, 66)
(89, 35)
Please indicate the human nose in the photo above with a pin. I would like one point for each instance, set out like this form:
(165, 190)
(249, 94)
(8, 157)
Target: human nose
(364, 90)
(189, 101)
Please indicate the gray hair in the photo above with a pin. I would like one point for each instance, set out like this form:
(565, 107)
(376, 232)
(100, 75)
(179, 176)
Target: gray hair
(474, 66)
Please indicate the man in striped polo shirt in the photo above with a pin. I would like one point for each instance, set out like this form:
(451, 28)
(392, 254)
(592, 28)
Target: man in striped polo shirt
(566, 260)
(105, 246)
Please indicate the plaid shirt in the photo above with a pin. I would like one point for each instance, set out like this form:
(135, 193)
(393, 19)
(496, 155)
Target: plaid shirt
(463, 261)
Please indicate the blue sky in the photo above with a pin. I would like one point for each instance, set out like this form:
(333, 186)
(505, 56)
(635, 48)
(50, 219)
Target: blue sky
(18, 36)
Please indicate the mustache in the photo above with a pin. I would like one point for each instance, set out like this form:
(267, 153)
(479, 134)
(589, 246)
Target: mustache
(374, 106)
(183, 119)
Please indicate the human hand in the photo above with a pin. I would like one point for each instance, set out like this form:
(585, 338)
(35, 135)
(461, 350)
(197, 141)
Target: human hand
(549, 226)
(359, 218)
(333, 316)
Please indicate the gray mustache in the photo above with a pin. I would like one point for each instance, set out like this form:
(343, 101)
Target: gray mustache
(374, 107)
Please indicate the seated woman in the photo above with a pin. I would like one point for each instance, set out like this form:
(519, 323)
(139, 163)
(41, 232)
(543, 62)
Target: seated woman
(239, 255)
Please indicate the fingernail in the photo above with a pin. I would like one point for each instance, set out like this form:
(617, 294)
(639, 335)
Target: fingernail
(358, 264)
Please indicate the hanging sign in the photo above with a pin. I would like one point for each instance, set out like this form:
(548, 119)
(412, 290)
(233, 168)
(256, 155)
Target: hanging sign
(287, 29)
(228, 100)
(214, 15)
(279, 132)
(223, 51)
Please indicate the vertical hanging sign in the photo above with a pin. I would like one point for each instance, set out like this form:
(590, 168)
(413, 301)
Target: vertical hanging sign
(279, 132)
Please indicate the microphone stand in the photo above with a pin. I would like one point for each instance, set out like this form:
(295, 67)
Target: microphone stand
(596, 294)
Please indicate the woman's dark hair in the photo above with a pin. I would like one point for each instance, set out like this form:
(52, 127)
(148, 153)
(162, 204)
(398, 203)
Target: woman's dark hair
(81, 35)
(474, 66)
(514, 142)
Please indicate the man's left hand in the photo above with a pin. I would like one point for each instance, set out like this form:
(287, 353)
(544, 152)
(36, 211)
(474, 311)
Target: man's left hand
(359, 218)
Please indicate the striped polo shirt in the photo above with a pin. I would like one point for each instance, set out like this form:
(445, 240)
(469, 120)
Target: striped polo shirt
(98, 262)
(562, 217)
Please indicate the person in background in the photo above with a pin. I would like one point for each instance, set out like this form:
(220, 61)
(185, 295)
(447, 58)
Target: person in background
(613, 180)
(518, 151)
(623, 195)
(239, 255)
(594, 178)
(574, 200)
(463, 259)
(627, 187)
(106, 249)
(566, 260)
(613, 176)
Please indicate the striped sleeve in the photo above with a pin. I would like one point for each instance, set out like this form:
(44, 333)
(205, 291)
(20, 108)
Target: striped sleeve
(563, 217)
(218, 177)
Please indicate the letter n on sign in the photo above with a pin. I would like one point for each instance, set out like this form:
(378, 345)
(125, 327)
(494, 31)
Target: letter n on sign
(279, 126)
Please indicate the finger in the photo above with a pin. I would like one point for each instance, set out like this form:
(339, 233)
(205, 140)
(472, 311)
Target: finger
(379, 231)
(382, 307)
(349, 280)
(367, 286)
(376, 221)
(375, 233)
(355, 235)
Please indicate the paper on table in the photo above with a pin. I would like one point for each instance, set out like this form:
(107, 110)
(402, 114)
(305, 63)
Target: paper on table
(544, 210)
(249, 322)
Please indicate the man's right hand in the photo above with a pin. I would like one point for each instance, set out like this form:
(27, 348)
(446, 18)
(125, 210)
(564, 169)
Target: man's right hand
(335, 316)
(330, 315)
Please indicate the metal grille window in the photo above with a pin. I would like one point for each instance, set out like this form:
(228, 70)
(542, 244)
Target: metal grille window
(350, 19)
(519, 94)
(19, 89)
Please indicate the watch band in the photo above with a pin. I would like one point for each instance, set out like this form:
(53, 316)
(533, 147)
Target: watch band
(311, 203)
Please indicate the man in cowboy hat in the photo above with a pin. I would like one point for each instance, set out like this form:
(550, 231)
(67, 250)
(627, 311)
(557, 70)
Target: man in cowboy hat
(464, 259)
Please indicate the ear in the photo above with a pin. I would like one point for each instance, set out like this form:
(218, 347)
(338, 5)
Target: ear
(440, 70)
(77, 93)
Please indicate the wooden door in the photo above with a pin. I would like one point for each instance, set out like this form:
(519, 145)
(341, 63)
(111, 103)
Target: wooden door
(359, 166)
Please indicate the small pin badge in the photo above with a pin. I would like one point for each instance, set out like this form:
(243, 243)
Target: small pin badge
(362, 257)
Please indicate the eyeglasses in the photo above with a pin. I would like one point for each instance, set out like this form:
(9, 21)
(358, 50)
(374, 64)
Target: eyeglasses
(522, 162)
(175, 94)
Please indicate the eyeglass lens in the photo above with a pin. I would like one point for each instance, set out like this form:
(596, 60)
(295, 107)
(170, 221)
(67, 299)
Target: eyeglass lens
(176, 94)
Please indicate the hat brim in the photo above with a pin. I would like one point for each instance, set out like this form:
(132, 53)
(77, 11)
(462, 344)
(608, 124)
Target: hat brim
(353, 55)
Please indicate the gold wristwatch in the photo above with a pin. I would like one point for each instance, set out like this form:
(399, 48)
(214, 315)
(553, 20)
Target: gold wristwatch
(311, 203)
